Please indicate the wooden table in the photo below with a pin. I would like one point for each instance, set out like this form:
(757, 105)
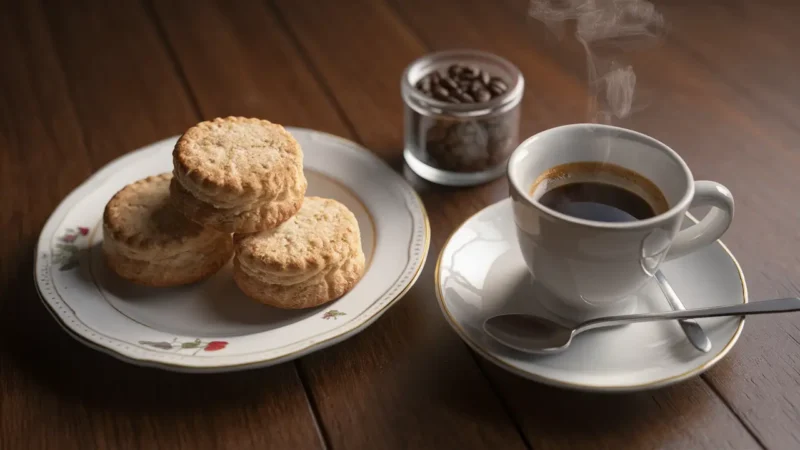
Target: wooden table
(83, 82)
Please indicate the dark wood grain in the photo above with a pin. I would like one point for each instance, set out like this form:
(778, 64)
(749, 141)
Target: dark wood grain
(262, 74)
(63, 116)
(89, 81)
(35, 113)
(761, 64)
(684, 416)
(352, 51)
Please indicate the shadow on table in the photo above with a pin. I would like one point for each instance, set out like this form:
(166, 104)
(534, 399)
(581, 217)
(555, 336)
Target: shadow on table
(33, 347)
(645, 419)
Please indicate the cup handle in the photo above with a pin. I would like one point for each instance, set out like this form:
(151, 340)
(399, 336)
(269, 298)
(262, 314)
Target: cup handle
(713, 225)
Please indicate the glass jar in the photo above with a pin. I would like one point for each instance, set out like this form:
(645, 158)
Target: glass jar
(460, 144)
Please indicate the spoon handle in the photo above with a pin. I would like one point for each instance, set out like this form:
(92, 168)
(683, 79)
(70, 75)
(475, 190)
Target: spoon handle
(693, 331)
(764, 307)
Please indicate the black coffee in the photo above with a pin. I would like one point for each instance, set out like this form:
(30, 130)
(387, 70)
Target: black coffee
(594, 191)
(600, 202)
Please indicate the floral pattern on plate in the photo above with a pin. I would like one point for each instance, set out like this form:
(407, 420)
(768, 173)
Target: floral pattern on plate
(66, 252)
(196, 345)
(333, 314)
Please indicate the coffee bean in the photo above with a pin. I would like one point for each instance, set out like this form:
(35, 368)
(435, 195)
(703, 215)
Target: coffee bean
(502, 87)
(482, 96)
(462, 84)
(424, 84)
(471, 73)
(448, 84)
(499, 83)
(455, 70)
(495, 90)
(476, 86)
(440, 93)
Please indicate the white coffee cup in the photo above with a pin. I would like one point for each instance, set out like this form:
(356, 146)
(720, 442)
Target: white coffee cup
(590, 268)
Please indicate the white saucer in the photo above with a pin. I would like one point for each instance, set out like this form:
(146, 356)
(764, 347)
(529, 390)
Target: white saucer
(481, 272)
(211, 326)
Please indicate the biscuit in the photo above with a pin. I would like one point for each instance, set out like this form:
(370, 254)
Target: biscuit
(311, 259)
(238, 174)
(148, 242)
(250, 219)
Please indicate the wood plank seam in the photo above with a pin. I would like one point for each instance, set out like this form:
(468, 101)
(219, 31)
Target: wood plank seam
(503, 402)
(724, 400)
(170, 49)
(272, 7)
(70, 92)
(312, 404)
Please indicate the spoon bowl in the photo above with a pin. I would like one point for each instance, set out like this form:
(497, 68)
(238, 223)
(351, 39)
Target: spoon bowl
(529, 333)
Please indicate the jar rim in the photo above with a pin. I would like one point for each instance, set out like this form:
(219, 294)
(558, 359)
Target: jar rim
(421, 67)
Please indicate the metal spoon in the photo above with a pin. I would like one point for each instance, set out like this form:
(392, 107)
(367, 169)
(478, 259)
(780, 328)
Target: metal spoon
(693, 331)
(534, 334)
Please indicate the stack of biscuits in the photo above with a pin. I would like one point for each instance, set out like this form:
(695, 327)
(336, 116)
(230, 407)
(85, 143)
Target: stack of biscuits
(237, 190)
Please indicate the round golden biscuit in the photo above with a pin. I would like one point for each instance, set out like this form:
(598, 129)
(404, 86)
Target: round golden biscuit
(148, 242)
(311, 259)
(238, 174)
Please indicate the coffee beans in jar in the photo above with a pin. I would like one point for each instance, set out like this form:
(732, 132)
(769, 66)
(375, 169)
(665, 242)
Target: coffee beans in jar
(461, 117)
(462, 84)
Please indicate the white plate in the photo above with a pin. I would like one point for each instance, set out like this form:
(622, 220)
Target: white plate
(211, 326)
(481, 272)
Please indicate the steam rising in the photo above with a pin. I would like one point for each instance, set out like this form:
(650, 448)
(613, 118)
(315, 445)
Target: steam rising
(605, 29)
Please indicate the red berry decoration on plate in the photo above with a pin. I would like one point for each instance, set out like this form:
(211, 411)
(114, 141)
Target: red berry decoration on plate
(215, 345)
